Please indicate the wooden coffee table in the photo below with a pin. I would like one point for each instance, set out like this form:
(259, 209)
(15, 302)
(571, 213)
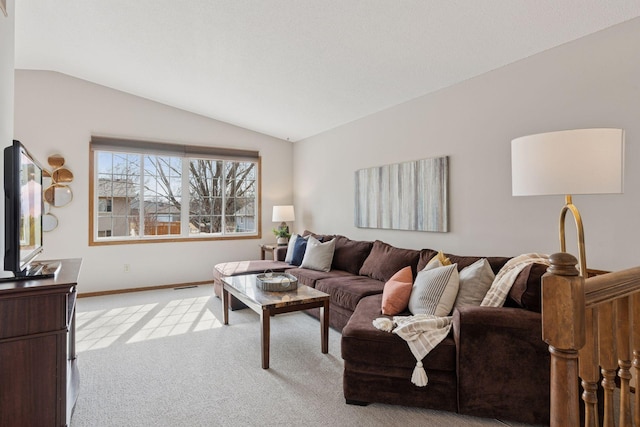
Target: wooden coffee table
(268, 304)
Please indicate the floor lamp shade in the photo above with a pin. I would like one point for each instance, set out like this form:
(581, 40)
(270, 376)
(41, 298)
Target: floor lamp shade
(581, 161)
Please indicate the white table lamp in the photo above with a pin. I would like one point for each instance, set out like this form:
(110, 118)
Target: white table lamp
(581, 161)
(283, 214)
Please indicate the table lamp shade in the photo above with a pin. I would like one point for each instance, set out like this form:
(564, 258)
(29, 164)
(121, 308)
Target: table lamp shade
(283, 213)
(581, 161)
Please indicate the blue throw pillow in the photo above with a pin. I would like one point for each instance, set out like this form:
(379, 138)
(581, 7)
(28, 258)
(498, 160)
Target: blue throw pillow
(299, 248)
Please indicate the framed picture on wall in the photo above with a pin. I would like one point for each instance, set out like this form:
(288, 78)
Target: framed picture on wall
(404, 196)
(3, 6)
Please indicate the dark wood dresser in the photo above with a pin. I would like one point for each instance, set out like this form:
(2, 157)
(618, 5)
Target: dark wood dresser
(39, 377)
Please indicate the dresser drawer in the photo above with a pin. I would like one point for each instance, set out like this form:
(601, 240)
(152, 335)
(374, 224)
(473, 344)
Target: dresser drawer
(21, 316)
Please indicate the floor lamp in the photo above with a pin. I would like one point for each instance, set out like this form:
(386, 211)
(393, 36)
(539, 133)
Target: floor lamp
(580, 161)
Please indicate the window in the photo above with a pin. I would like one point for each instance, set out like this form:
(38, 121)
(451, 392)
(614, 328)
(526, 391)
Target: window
(104, 204)
(146, 191)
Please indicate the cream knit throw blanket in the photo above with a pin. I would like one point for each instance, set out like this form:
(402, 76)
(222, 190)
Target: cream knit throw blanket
(423, 332)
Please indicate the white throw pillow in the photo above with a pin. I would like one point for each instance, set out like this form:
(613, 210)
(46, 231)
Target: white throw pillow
(318, 256)
(475, 281)
(434, 291)
(292, 243)
(433, 263)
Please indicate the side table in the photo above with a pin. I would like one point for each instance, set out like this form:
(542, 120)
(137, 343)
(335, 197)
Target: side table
(267, 247)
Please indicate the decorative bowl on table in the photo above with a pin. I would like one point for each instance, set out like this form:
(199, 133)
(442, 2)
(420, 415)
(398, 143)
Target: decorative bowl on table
(276, 282)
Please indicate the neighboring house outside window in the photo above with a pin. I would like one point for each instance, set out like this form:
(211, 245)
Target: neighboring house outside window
(157, 192)
(105, 202)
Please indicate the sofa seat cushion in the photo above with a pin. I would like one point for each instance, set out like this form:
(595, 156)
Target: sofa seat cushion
(347, 291)
(363, 343)
(310, 277)
(238, 268)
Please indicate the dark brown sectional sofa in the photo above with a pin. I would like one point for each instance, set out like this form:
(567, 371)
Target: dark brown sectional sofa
(493, 364)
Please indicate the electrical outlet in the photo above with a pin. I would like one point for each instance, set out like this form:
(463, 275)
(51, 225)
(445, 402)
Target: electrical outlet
(127, 267)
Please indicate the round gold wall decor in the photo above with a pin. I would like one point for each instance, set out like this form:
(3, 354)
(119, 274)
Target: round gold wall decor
(58, 195)
(62, 175)
(49, 222)
(56, 161)
(56, 191)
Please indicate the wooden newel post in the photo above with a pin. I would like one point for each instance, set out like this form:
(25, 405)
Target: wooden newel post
(563, 328)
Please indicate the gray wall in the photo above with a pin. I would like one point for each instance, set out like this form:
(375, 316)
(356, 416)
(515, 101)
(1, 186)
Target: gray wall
(56, 113)
(6, 91)
(591, 82)
(6, 75)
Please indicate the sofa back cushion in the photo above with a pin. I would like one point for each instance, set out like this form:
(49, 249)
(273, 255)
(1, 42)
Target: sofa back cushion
(350, 254)
(385, 260)
(426, 255)
(496, 262)
(320, 237)
(526, 291)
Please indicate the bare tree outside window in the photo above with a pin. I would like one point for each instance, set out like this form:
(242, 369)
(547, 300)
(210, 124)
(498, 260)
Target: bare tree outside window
(162, 195)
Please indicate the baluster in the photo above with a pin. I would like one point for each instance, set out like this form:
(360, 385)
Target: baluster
(589, 372)
(635, 315)
(608, 358)
(563, 329)
(623, 341)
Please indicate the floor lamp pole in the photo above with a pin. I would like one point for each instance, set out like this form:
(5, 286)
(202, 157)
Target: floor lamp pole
(569, 206)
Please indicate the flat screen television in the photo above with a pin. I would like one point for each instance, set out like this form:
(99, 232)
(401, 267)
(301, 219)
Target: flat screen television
(23, 210)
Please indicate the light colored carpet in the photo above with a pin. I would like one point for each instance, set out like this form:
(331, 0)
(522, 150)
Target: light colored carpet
(163, 358)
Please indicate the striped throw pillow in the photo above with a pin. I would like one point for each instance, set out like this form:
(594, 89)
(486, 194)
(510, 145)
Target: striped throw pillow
(434, 291)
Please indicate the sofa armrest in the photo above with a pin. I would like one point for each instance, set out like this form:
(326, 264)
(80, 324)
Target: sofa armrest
(502, 364)
(280, 253)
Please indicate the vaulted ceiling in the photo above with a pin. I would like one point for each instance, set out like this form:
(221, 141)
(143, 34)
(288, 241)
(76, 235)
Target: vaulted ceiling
(295, 68)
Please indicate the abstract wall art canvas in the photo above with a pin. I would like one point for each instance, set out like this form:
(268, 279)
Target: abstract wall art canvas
(404, 196)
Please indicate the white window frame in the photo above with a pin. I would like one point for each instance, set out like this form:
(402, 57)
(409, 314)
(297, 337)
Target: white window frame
(186, 153)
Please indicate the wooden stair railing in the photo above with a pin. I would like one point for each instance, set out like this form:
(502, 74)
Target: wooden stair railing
(592, 327)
